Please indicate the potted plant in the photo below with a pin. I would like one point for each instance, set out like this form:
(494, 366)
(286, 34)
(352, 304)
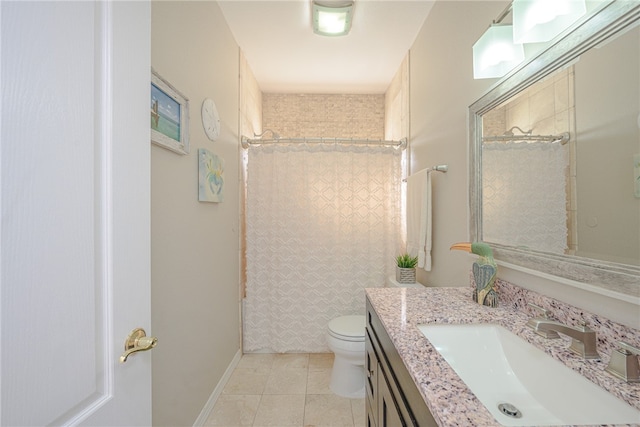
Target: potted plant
(406, 268)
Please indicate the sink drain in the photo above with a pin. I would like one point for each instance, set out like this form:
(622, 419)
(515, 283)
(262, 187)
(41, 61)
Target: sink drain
(509, 410)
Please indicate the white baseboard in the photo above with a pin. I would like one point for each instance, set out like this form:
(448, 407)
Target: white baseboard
(208, 407)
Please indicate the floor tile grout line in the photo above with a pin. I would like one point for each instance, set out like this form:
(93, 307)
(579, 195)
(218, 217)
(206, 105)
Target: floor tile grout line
(319, 365)
(255, 414)
(306, 390)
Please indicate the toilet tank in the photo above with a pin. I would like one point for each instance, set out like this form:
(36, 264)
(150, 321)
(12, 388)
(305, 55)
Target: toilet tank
(393, 283)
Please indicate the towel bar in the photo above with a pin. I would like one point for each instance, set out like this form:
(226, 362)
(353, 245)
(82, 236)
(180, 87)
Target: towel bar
(438, 168)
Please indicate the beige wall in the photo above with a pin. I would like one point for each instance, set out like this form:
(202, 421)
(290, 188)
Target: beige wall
(441, 90)
(194, 245)
(250, 101)
(396, 101)
(324, 115)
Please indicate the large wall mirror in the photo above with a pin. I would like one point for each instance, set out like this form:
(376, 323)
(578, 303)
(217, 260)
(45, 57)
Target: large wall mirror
(555, 157)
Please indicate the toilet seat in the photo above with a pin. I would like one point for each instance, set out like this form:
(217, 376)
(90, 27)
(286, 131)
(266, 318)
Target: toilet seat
(348, 328)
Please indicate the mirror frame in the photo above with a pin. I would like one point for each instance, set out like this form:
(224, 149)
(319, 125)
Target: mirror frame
(618, 281)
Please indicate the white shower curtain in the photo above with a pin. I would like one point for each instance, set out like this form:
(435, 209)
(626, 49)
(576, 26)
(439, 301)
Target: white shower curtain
(524, 194)
(323, 223)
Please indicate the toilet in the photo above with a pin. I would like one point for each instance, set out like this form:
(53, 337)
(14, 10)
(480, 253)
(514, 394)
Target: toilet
(345, 337)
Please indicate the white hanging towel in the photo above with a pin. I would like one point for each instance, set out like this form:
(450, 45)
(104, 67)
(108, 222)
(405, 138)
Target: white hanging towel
(419, 217)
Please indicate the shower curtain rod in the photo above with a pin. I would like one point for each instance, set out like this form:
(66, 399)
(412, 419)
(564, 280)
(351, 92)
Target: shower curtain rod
(562, 138)
(246, 142)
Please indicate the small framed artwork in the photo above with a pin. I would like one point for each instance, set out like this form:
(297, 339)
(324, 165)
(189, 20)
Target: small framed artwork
(210, 177)
(169, 116)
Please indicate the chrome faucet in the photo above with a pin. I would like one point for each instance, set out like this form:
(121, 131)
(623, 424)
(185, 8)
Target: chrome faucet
(544, 314)
(624, 362)
(583, 339)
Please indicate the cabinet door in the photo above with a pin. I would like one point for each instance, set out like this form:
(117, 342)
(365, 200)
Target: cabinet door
(371, 368)
(371, 416)
(388, 412)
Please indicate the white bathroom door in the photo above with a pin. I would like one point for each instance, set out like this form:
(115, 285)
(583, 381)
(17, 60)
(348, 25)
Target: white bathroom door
(74, 235)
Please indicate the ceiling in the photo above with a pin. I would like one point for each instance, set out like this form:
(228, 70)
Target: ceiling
(286, 56)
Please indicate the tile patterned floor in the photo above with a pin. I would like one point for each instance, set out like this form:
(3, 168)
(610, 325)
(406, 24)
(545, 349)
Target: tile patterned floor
(282, 390)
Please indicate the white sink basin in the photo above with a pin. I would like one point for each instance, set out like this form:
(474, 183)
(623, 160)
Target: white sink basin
(500, 367)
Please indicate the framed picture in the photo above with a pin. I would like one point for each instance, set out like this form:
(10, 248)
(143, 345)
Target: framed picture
(169, 116)
(210, 177)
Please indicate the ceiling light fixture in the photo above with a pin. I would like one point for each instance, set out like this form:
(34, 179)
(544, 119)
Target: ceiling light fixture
(332, 18)
(495, 53)
(542, 20)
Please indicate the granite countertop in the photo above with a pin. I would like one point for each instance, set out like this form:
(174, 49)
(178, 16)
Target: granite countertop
(446, 395)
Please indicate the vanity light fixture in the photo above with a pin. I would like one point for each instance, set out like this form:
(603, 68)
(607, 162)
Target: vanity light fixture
(332, 18)
(495, 53)
(537, 21)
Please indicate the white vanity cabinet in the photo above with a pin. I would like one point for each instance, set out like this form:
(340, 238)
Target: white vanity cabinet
(393, 399)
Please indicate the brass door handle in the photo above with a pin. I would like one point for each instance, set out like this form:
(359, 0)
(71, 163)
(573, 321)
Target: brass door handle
(137, 341)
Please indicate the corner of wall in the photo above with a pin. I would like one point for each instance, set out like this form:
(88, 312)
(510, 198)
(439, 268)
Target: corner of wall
(194, 245)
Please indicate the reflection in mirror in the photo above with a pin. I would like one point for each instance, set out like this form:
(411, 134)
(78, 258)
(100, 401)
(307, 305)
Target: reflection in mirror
(575, 198)
(555, 167)
(608, 138)
(525, 177)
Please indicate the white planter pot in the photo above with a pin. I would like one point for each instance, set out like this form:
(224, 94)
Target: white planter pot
(405, 275)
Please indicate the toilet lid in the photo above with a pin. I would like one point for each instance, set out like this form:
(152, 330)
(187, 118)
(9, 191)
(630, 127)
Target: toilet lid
(349, 328)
